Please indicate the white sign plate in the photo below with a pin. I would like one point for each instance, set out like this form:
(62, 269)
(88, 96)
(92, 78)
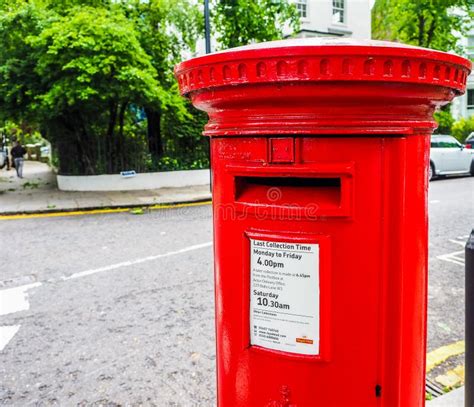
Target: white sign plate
(284, 296)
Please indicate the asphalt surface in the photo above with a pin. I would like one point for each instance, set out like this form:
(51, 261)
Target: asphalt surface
(451, 215)
(139, 333)
(124, 312)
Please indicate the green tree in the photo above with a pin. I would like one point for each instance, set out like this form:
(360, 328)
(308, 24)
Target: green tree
(166, 30)
(86, 70)
(463, 128)
(427, 23)
(19, 81)
(95, 68)
(240, 22)
(76, 75)
(183, 140)
(445, 121)
(96, 76)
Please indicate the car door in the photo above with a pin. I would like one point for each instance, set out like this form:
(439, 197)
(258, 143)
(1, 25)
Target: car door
(456, 157)
(466, 155)
(438, 154)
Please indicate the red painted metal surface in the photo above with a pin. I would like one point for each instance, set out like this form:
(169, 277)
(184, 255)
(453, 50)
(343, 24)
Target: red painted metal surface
(327, 143)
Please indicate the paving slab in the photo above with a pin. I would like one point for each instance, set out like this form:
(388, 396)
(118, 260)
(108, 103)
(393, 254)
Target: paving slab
(454, 398)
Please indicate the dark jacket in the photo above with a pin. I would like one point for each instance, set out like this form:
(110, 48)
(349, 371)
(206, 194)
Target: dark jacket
(18, 151)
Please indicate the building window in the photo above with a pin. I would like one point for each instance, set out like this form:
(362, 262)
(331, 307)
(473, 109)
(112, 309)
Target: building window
(302, 7)
(470, 47)
(338, 11)
(470, 98)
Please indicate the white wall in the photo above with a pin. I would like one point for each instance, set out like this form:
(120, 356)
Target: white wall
(319, 21)
(115, 182)
(459, 106)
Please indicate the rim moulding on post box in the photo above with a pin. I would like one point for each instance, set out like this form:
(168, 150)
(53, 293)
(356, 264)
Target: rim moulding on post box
(316, 85)
(142, 181)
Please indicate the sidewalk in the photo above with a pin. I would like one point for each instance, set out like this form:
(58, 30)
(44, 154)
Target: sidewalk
(37, 192)
(454, 398)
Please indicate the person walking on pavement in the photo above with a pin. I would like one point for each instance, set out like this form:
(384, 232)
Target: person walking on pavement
(18, 151)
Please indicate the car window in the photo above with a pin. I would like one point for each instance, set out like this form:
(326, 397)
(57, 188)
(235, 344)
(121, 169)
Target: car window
(434, 143)
(457, 143)
(448, 142)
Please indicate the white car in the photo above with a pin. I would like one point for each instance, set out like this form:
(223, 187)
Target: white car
(449, 157)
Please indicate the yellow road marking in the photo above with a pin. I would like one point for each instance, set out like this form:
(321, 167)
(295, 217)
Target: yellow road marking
(182, 205)
(452, 378)
(100, 211)
(438, 356)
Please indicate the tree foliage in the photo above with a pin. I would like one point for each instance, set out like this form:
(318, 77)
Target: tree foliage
(92, 57)
(84, 71)
(239, 22)
(165, 29)
(433, 24)
(94, 68)
(463, 128)
(76, 74)
(19, 81)
(445, 121)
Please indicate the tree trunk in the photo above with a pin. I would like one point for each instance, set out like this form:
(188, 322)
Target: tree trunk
(66, 149)
(68, 154)
(431, 33)
(109, 145)
(155, 142)
(121, 139)
(421, 30)
(84, 146)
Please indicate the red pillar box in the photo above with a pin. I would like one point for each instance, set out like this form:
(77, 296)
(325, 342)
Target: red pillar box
(320, 153)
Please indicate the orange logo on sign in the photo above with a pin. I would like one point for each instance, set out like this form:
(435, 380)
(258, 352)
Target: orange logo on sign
(304, 340)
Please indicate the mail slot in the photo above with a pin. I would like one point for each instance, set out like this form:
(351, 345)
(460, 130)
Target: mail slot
(289, 192)
(320, 151)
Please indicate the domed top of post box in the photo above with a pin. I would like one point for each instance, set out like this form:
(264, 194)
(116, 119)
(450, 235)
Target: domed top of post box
(305, 77)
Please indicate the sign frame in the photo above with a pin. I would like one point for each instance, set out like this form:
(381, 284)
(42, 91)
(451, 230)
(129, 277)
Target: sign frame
(324, 290)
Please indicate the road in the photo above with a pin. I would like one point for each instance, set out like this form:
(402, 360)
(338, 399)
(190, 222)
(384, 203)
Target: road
(451, 217)
(117, 309)
(133, 329)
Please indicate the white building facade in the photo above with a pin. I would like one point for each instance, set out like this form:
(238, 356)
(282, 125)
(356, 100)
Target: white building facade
(335, 18)
(464, 106)
(328, 18)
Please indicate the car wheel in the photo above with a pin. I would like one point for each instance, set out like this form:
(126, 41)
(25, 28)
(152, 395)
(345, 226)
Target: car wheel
(431, 172)
(472, 168)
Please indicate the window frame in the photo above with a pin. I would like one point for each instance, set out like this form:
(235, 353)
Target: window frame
(470, 46)
(300, 5)
(448, 142)
(339, 6)
(470, 95)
